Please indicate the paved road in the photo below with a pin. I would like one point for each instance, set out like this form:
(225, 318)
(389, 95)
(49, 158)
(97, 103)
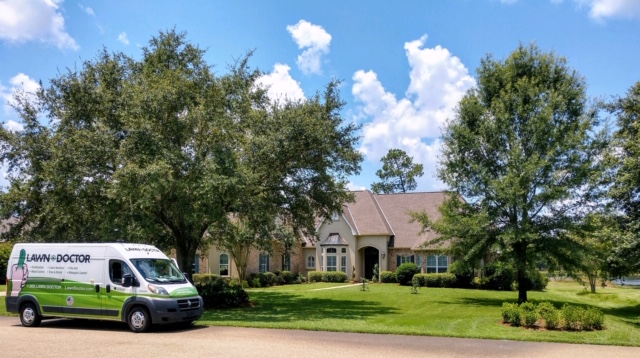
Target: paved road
(69, 338)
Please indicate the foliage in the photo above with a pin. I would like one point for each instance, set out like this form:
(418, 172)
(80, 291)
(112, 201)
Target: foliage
(315, 276)
(5, 254)
(204, 278)
(376, 273)
(268, 279)
(592, 318)
(288, 277)
(535, 280)
(463, 272)
(218, 293)
(521, 152)
(161, 150)
(572, 316)
(334, 276)
(405, 272)
(398, 173)
(388, 277)
(510, 313)
(500, 276)
(436, 279)
(624, 159)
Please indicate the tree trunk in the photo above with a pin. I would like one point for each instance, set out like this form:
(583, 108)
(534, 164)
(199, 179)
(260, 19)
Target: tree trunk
(521, 265)
(592, 282)
(185, 255)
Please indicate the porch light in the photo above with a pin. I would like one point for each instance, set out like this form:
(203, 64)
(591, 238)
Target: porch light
(383, 255)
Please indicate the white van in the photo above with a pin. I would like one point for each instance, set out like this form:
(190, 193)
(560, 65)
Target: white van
(133, 283)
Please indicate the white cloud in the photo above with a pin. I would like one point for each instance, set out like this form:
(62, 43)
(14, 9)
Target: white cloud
(602, 9)
(34, 20)
(281, 85)
(315, 40)
(18, 82)
(123, 38)
(354, 187)
(438, 80)
(13, 126)
(87, 9)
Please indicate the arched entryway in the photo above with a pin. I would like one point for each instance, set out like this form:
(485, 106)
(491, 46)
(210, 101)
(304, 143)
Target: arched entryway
(371, 258)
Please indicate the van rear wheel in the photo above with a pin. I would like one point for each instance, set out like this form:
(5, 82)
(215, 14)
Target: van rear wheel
(29, 316)
(139, 319)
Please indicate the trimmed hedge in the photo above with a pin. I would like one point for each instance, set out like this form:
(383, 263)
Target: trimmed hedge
(573, 318)
(334, 276)
(217, 292)
(388, 277)
(436, 279)
(405, 272)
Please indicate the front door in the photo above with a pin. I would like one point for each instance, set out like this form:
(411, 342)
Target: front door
(371, 258)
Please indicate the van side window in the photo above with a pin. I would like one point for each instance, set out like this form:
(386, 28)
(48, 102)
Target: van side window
(117, 269)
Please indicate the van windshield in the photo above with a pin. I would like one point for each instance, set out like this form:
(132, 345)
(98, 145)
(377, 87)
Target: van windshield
(158, 270)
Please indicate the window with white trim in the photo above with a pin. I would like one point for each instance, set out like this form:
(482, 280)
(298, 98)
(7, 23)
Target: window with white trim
(332, 259)
(311, 262)
(437, 263)
(224, 265)
(401, 259)
(264, 263)
(343, 264)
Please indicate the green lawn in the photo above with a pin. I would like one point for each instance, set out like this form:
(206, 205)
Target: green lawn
(388, 308)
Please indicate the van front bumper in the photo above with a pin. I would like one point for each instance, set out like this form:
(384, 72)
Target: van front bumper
(165, 311)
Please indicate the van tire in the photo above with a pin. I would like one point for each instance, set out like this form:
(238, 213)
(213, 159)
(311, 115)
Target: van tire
(29, 316)
(139, 319)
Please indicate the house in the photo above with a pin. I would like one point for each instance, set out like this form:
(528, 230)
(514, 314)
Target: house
(374, 229)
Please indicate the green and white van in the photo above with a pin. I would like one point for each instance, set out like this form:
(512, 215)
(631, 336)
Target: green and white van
(133, 283)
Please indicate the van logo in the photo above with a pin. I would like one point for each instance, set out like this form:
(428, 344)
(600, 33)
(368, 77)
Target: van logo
(70, 301)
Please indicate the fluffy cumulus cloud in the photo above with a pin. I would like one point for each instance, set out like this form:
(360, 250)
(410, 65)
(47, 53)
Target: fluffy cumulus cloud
(603, 9)
(315, 40)
(438, 80)
(19, 82)
(281, 85)
(123, 38)
(34, 20)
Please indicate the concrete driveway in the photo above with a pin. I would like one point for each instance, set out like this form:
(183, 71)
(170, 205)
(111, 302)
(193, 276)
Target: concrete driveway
(76, 338)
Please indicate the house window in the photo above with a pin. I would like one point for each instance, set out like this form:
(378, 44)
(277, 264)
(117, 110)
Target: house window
(286, 262)
(311, 262)
(332, 250)
(437, 264)
(343, 264)
(419, 261)
(335, 216)
(224, 265)
(332, 263)
(401, 259)
(344, 250)
(264, 263)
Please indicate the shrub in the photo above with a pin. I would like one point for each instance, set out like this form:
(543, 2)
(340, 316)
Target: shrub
(592, 318)
(405, 273)
(545, 307)
(551, 319)
(287, 277)
(463, 273)
(204, 278)
(334, 276)
(500, 277)
(388, 277)
(270, 279)
(529, 314)
(509, 311)
(572, 316)
(255, 283)
(536, 281)
(218, 293)
(315, 276)
(436, 279)
(5, 253)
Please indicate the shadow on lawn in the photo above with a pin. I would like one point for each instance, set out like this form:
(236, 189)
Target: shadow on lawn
(285, 307)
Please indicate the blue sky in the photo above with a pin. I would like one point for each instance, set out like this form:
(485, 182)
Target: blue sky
(404, 65)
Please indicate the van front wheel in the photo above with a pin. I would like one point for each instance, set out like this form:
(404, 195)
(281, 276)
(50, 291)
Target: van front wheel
(29, 316)
(139, 319)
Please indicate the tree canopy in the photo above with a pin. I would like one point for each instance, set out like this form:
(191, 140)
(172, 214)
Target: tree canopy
(522, 154)
(398, 173)
(161, 150)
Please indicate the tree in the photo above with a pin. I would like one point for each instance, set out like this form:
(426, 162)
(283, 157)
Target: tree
(398, 173)
(160, 150)
(624, 158)
(521, 153)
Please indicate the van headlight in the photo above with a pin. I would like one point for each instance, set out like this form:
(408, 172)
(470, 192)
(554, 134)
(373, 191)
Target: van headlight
(158, 290)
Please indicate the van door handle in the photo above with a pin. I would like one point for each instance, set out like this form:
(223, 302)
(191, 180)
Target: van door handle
(98, 288)
(108, 288)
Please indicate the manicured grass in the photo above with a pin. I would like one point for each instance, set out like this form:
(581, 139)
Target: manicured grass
(388, 308)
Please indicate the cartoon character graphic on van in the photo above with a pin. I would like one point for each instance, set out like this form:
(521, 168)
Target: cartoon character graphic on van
(19, 274)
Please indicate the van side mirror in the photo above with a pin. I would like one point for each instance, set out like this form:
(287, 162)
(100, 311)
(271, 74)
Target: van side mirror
(187, 276)
(127, 280)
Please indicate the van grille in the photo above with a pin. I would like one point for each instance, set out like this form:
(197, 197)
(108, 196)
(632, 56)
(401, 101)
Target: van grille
(190, 304)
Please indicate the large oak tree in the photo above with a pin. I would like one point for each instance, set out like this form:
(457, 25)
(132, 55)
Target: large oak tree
(161, 150)
(521, 152)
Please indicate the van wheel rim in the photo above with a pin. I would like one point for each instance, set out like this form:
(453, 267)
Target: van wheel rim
(137, 320)
(28, 315)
